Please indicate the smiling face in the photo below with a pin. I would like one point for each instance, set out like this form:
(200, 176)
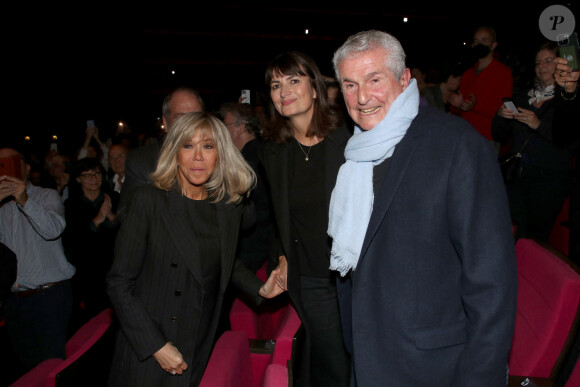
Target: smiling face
(545, 67)
(369, 87)
(293, 96)
(196, 161)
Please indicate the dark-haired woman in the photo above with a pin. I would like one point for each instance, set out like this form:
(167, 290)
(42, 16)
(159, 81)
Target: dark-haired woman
(304, 150)
(89, 236)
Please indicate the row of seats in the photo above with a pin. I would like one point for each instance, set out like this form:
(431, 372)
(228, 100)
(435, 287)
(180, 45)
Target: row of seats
(259, 349)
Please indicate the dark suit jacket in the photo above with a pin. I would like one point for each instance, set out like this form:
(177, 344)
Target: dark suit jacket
(434, 294)
(274, 157)
(140, 163)
(155, 287)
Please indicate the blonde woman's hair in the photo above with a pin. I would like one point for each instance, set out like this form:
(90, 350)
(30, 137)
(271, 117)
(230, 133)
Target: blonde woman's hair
(232, 177)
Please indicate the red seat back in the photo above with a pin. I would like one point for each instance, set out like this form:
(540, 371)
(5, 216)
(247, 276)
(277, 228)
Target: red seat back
(229, 364)
(548, 301)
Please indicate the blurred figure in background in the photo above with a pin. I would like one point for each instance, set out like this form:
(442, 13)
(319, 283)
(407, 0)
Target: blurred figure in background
(89, 237)
(537, 193)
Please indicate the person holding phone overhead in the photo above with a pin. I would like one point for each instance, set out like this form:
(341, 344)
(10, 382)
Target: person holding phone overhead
(538, 192)
(304, 149)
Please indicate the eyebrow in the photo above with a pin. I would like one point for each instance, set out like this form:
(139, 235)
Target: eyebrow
(367, 76)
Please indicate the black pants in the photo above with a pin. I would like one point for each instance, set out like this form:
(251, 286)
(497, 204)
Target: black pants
(329, 361)
(37, 325)
(536, 199)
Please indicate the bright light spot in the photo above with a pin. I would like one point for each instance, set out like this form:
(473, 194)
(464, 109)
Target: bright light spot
(26, 138)
(306, 31)
(405, 19)
(172, 72)
(121, 124)
(54, 137)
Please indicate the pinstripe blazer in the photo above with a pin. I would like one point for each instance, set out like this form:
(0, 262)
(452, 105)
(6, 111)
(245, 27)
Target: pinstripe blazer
(156, 289)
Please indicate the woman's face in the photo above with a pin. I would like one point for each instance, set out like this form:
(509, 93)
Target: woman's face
(90, 180)
(292, 95)
(545, 67)
(196, 161)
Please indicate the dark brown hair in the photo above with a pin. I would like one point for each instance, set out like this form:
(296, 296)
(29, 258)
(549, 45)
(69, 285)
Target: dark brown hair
(325, 118)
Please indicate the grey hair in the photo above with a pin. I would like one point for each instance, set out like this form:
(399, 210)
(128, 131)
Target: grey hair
(370, 40)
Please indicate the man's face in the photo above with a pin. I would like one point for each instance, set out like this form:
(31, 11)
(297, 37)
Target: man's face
(181, 102)
(484, 37)
(117, 156)
(369, 87)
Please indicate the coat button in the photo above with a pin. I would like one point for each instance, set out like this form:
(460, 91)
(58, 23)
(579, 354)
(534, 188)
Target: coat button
(178, 293)
(173, 264)
(173, 318)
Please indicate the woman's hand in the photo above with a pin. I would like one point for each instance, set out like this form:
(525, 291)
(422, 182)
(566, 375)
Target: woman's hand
(105, 211)
(528, 117)
(276, 283)
(170, 359)
(468, 104)
(505, 113)
(564, 75)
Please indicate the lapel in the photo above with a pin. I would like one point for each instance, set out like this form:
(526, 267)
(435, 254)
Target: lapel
(178, 226)
(334, 158)
(276, 164)
(396, 171)
(229, 216)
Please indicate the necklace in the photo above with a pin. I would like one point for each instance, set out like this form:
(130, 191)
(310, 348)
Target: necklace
(302, 149)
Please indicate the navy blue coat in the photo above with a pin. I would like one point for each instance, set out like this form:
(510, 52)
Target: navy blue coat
(433, 299)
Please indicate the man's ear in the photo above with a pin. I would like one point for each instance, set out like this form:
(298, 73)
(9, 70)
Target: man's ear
(405, 79)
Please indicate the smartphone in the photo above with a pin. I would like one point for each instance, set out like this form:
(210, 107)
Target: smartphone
(11, 166)
(246, 96)
(569, 49)
(90, 123)
(510, 105)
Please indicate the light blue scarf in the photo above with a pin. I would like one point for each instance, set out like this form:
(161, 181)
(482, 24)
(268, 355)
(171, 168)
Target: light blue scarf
(352, 199)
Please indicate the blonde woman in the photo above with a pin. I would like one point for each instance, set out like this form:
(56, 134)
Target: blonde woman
(175, 256)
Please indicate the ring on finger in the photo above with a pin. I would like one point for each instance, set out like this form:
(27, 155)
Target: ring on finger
(173, 372)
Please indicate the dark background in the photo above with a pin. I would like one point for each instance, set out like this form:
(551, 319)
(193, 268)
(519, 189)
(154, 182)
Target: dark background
(111, 64)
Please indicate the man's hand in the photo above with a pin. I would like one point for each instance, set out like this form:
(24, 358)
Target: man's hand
(170, 359)
(11, 186)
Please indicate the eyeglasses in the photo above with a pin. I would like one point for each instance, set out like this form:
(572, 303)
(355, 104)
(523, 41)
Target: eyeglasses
(95, 175)
(233, 123)
(545, 60)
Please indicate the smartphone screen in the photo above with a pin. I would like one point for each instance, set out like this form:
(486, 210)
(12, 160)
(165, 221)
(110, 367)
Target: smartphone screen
(245, 96)
(511, 106)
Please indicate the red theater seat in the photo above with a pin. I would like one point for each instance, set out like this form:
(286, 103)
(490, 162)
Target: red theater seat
(88, 353)
(547, 311)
